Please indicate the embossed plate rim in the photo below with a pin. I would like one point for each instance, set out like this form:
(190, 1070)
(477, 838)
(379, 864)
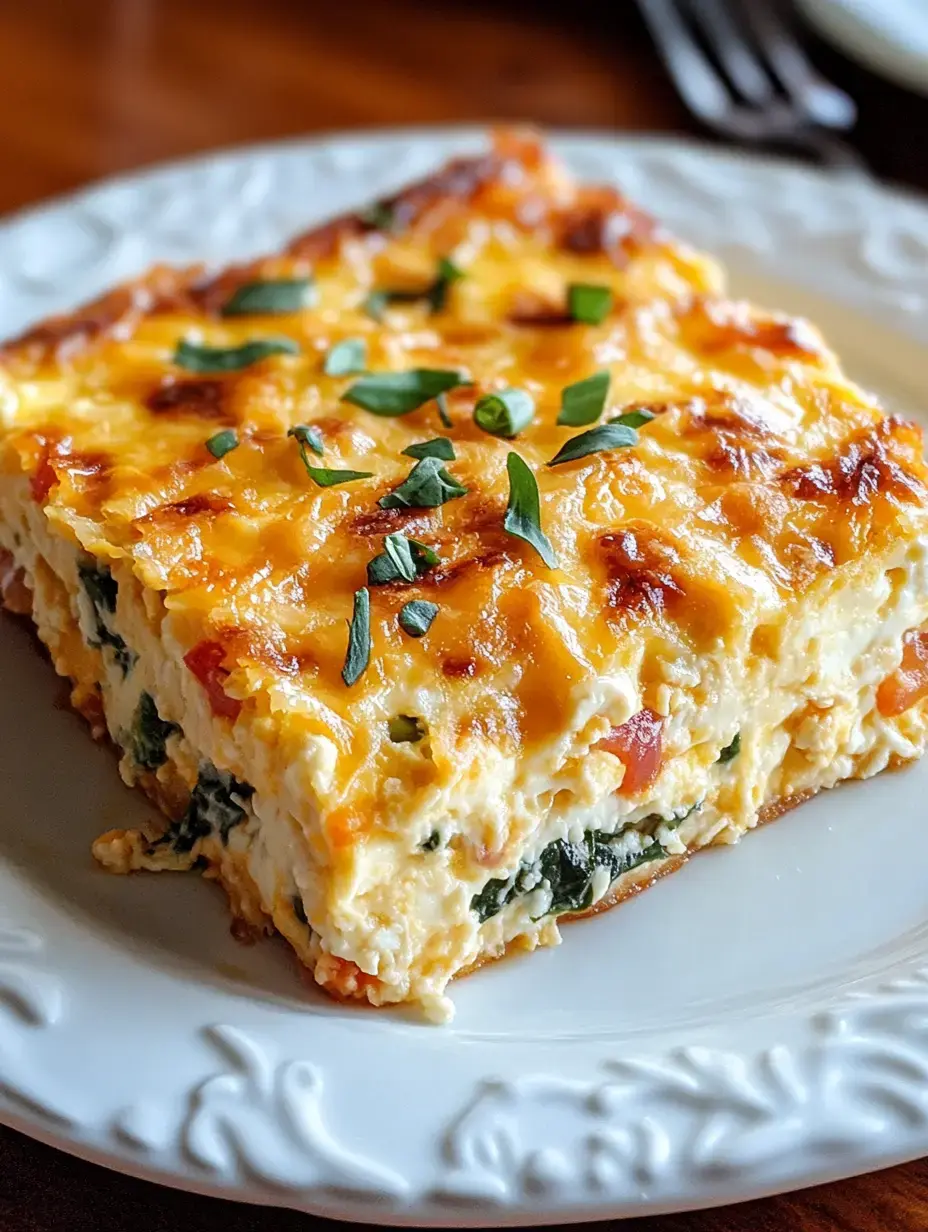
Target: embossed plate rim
(261, 1103)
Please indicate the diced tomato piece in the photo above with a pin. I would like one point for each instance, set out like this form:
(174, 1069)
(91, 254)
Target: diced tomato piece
(909, 683)
(206, 663)
(639, 745)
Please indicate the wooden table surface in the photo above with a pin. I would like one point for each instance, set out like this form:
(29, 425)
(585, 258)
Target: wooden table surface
(98, 86)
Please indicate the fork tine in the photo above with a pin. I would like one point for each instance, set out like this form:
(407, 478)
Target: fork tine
(821, 101)
(730, 46)
(696, 80)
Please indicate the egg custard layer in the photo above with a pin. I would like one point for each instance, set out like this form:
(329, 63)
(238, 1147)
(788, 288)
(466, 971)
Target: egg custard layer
(461, 568)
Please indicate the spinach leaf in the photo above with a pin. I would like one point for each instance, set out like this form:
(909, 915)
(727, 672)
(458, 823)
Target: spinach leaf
(102, 589)
(731, 750)
(568, 870)
(432, 843)
(149, 734)
(217, 805)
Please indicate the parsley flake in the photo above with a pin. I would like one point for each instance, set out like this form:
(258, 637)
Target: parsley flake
(730, 751)
(402, 560)
(438, 447)
(597, 440)
(584, 402)
(416, 617)
(322, 476)
(346, 357)
(633, 419)
(359, 638)
(269, 296)
(523, 513)
(390, 394)
(441, 402)
(427, 485)
(197, 358)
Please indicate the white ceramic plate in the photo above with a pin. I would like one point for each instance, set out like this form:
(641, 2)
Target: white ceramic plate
(888, 36)
(757, 1023)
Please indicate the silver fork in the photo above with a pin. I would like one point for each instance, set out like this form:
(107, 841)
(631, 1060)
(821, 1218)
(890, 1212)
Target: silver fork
(756, 85)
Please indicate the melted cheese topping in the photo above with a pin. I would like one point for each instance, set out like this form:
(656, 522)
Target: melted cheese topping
(767, 502)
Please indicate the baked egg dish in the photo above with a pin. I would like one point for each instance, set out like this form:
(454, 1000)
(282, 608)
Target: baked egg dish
(462, 568)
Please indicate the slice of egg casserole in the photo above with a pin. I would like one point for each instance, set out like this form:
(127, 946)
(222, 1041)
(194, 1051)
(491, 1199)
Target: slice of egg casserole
(462, 568)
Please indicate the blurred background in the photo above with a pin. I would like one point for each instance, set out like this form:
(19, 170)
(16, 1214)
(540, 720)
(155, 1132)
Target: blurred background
(92, 87)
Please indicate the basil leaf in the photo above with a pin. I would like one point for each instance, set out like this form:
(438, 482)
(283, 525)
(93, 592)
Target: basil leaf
(448, 274)
(322, 476)
(504, 413)
(523, 513)
(397, 393)
(416, 617)
(346, 357)
(306, 434)
(197, 358)
(633, 419)
(584, 402)
(731, 750)
(597, 440)
(442, 403)
(427, 485)
(359, 638)
(271, 295)
(588, 302)
(440, 447)
(406, 729)
(222, 443)
(402, 560)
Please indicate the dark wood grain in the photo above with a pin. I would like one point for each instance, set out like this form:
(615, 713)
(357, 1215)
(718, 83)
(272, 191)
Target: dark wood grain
(94, 87)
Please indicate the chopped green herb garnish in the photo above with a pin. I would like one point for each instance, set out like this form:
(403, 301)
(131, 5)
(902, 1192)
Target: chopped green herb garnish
(416, 617)
(432, 843)
(402, 560)
(427, 485)
(440, 447)
(378, 301)
(359, 638)
(584, 402)
(222, 443)
(504, 413)
(271, 295)
(397, 393)
(322, 476)
(732, 750)
(633, 419)
(589, 303)
(307, 435)
(149, 734)
(597, 440)
(448, 274)
(381, 215)
(441, 402)
(346, 357)
(197, 358)
(405, 729)
(523, 513)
